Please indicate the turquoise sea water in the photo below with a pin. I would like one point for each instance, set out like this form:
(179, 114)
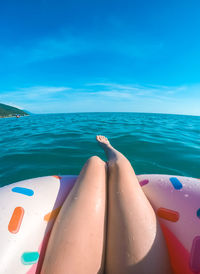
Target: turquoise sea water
(51, 144)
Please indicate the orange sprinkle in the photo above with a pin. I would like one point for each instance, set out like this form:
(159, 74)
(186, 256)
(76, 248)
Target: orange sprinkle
(52, 215)
(168, 214)
(56, 176)
(16, 220)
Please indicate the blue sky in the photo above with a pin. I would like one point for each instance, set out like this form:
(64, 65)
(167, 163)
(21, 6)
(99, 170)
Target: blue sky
(80, 56)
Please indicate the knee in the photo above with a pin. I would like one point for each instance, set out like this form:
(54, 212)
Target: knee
(118, 164)
(96, 161)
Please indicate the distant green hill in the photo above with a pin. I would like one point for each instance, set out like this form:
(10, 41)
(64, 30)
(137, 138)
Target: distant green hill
(8, 111)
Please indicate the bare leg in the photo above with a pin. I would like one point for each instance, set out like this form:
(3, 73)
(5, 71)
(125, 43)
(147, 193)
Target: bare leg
(135, 243)
(76, 244)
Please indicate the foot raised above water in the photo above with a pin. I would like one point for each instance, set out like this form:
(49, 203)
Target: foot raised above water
(111, 153)
(103, 141)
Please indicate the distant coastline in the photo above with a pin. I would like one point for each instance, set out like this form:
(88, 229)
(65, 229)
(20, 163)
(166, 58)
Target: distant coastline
(14, 116)
(7, 111)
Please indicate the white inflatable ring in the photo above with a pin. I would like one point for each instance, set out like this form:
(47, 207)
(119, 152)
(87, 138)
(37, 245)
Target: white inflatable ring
(29, 208)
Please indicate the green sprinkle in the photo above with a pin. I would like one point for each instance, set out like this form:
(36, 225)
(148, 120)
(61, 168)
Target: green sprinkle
(30, 257)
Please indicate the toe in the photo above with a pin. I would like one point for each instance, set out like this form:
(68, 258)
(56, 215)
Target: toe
(98, 137)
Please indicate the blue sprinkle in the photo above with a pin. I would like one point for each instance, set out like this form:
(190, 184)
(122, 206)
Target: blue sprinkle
(23, 190)
(176, 183)
(29, 258)
(198, 213)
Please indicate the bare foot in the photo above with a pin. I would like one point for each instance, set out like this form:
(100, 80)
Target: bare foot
(103, 141)
(111, 153)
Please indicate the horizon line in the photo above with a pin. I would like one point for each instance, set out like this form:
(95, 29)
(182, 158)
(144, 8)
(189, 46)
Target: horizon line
(195, 115)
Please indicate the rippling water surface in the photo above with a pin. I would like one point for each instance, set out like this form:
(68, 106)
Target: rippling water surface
(40, 145)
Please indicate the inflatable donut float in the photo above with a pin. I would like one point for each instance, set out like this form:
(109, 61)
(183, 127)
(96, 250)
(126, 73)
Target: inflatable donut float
(28, 210)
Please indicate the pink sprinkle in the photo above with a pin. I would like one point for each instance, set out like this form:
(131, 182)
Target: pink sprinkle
(144, 182)
(195, 255)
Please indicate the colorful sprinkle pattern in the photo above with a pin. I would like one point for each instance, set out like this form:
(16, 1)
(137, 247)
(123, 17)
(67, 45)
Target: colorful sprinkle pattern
(52, 215)
(195, 255)
(23, 190)
(144, 182)
(168, 214)
(176, 183)
(198, 213)
(30, 257)
(171, 215)
(16, 220)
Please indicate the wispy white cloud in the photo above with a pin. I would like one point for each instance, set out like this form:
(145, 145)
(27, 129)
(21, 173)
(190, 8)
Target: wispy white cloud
(67, 44)
(100, 97)
(51, 48)
(109, 93)
(99, 89)
(33, 93)
(159, 92)
(115, 85)
(47, 48)
(43, 90)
